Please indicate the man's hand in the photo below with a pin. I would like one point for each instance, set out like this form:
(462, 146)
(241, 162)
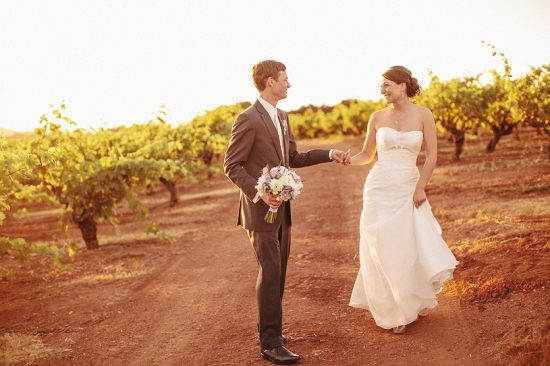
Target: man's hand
(340, 156)
(271, 200)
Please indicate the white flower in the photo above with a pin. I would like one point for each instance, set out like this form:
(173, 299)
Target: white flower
(287, 180)
(276, 186)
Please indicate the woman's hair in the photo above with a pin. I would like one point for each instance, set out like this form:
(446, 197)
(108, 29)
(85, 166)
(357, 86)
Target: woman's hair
(263, 70)
(400, 74)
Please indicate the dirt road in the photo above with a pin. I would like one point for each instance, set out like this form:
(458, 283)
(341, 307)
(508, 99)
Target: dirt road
(139, 301)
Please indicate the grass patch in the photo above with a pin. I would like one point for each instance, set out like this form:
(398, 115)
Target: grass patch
(524, 346)
(111, 274)
(18, 348)
(522, 189)
(490, 290)
(480, 217)
(468, 246)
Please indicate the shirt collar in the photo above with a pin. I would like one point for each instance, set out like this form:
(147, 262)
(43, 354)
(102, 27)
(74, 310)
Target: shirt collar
(268, 107)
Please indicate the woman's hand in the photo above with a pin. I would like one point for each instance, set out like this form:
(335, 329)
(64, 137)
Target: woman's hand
(419, 197)
(347, 158)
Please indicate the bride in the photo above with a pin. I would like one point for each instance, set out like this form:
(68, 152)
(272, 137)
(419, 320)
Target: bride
(403, 259)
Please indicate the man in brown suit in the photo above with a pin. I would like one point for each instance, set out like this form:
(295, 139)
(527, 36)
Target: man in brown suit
(261, 136)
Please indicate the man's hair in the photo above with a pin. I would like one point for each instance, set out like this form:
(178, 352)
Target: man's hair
(263, 70)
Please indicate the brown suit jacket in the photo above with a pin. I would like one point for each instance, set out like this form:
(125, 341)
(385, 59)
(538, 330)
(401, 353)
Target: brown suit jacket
(255, 144)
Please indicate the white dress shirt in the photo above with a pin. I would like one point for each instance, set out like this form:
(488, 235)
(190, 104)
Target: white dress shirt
(272, 111)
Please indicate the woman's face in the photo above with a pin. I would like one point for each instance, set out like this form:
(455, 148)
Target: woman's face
(390, 90)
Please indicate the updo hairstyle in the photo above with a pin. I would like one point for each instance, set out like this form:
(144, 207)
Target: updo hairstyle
(400, 74)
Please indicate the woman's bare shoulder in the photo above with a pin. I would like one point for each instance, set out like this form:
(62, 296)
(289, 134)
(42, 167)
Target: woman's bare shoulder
(380, 113)
(422, 110)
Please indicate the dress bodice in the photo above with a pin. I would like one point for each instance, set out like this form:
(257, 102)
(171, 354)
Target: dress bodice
(398, 148)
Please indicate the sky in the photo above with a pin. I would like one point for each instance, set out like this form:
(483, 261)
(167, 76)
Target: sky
(116, 62)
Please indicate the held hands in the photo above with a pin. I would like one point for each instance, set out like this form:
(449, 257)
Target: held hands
(341, 157)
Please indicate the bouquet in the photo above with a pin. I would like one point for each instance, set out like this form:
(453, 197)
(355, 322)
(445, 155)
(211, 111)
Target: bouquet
(281, 182)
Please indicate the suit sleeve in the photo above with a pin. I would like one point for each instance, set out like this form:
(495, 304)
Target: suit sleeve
(302, 159)
(242, 138)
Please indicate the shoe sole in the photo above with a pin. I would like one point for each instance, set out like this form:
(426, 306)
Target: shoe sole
(289, 362)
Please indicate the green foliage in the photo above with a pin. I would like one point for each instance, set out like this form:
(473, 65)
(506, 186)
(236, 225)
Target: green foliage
(209, 133)
(533, 100)
(161, 234)
(454, 103)
(462, 105)
(17, 167)
(350, 117)
(98, 170)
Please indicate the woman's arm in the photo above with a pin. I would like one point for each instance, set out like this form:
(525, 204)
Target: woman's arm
(366, 155)
(430, 149)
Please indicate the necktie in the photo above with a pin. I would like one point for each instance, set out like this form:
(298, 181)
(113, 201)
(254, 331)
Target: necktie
(280, 133)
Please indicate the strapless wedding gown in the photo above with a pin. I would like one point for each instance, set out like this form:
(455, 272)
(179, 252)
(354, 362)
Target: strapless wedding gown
(403, 259)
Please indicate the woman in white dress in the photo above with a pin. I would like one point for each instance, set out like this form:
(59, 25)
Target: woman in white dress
(403, 259)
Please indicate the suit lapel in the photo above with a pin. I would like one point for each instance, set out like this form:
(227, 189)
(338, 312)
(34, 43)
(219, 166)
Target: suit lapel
(268, 122)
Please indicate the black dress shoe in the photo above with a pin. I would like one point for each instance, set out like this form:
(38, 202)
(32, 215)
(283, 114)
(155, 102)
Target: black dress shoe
(280, 355)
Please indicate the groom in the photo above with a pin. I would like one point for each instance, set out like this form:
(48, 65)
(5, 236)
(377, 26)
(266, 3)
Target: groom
(261, 136)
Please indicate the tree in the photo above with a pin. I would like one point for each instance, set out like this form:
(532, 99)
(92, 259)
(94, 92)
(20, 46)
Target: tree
(96, 173)
(455, 106)
(157, 140)
(533, 100)
(498, 100)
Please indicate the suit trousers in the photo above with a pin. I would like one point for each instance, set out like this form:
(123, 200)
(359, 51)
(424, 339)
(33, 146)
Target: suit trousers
(272, 249)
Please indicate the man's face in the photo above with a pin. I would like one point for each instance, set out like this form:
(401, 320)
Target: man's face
(281, 85)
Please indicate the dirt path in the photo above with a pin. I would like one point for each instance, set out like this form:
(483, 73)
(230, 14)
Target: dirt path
(138, 301)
